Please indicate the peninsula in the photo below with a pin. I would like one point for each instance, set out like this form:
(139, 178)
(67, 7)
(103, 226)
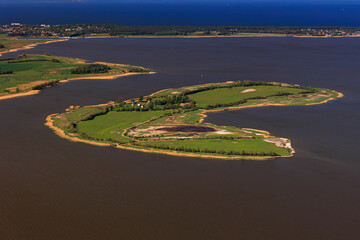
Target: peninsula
(28, 74)
(171, 121)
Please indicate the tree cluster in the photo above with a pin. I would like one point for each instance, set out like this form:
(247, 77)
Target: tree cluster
(91, 68)
(6, 72)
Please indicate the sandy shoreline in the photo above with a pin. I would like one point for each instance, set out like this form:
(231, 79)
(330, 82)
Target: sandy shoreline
(109, 77)
(16, 95)
(30, 46)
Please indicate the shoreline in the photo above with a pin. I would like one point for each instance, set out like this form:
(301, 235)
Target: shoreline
(33, 45)
(109, 77)
(254, 35)
(16, 95)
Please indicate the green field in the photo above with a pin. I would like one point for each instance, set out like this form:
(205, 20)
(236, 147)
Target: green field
(30, 71)
(230, 95)
(170, 121)
(113, 124)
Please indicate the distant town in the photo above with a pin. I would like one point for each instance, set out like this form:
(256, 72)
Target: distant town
(88, 30)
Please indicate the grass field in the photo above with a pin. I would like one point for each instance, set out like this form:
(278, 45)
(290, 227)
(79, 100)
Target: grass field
(229, 95)
(30, 71)
(113, 124)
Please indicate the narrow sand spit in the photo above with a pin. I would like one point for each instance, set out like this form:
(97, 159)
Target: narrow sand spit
(30, 46)
(32, 92)
(109, 77)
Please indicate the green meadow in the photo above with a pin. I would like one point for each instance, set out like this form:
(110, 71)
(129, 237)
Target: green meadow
(113, 124)
(234, 94)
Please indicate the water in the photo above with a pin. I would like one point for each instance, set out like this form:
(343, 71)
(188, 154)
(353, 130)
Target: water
(243, 13)
(55, 189)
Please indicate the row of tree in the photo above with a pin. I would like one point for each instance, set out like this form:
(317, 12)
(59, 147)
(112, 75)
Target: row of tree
(204, 150)
(6, 72)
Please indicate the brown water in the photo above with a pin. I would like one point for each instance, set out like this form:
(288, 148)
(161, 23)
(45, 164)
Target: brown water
(51, 188)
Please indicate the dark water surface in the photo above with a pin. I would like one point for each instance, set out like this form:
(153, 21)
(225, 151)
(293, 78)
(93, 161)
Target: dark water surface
(51, 188)
(184, 12)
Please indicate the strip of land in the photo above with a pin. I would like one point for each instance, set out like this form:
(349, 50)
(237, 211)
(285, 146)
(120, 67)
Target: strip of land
(106, 30)
(171, 121)
(13, 44)
(27, 74)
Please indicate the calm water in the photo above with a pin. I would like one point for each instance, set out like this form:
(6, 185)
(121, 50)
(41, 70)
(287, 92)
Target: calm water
(182, 12)
(55, 189)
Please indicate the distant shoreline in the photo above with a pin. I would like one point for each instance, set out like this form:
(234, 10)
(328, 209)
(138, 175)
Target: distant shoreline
(216, 36)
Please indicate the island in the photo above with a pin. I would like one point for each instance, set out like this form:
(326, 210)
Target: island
(171, 121)
(28, 74)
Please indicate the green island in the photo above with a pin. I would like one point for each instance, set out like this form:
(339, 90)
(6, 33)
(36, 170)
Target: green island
(171, 121)
(28, 74)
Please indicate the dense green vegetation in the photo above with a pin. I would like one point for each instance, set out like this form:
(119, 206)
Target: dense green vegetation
(91, 68)
(170, 120)
(34, 72)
